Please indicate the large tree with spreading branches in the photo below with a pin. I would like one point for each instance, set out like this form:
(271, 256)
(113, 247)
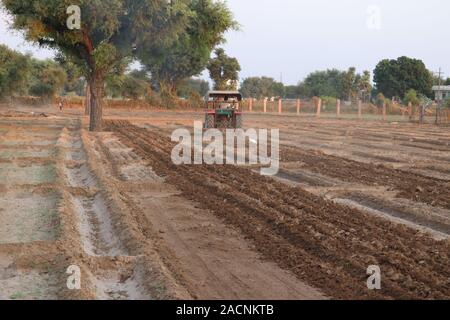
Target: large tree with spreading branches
(171, 62)
(109, 32)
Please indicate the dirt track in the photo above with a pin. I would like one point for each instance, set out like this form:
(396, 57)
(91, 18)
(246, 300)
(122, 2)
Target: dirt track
(325, 244)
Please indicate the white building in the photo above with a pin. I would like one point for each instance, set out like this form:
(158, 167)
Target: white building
(441, 92)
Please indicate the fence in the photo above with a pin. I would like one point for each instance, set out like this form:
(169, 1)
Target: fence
(358, 109)
(443, 116)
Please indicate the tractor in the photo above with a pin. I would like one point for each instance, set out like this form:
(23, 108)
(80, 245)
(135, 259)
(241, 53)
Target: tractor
(222, 110)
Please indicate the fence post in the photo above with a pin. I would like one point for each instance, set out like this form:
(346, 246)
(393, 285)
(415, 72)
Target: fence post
(265, 105)
(410, 110)
(319, 107)
(280, 106)
(421, 114)
(338, 107)
(359, 109)
(299, 104)
(384, 111)
(250, 105)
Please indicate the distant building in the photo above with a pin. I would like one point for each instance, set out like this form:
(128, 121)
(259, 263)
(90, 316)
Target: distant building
(441, 92)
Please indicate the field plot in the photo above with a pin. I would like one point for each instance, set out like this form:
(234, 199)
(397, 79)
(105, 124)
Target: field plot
(348, 195)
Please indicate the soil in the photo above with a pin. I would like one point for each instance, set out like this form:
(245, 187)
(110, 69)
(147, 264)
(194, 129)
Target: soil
(349, 194)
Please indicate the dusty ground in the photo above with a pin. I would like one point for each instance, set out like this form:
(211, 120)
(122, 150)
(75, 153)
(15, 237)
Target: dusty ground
(350, 194)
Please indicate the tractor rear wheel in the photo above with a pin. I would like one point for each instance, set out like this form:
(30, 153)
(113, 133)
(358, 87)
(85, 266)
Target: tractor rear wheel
(224, 122)
(238, 121)
(209, 121)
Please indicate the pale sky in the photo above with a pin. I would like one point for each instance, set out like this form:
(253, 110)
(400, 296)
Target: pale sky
(295, 37)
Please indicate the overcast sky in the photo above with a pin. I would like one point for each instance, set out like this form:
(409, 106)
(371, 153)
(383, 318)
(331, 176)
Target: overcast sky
(294, 37)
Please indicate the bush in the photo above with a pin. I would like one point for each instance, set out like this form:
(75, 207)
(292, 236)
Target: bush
(195, 100)
(328, 101)
(411, 97)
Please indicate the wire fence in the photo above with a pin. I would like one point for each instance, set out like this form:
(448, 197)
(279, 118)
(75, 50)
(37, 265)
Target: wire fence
(350, 110)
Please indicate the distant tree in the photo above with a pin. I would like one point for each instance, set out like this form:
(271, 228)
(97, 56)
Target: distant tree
(14, 72)
(292, 92)
(381, 100)
(172, 62)
(189, 86)
(349, 84)
(111, 30)
(325, 83)
(261, 87)
(135, 85)
(279, 90)
(224, 71)
(328, 101)
(411, 97)
(395, 77)
(47, 79)
(76, 81)
(364, 85)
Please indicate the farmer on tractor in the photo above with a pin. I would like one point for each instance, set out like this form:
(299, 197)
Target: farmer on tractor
(222, 110)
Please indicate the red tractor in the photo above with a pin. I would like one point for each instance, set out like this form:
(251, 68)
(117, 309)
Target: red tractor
(222, 110)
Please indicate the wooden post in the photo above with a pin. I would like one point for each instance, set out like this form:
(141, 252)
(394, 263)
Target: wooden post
(359, 109)
(421, 114)
(265, 105)
(338, 107)
(319, 107)
(384, 111)
(410, 110)
(250, 105)
(299, 104)
(280, 106)
(87, 101)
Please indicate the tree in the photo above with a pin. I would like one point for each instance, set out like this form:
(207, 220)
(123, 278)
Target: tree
(172, 62)
(111, 30)
(224, 71)
(411, 97)
(364, 85)
(395, 77)
(135, 85)
(324, 83)
(191, 85)
(349, 84)
(47, 79)
(381, 100)
(76, 82)
(261, 87)
(14, 72)
(292, 92)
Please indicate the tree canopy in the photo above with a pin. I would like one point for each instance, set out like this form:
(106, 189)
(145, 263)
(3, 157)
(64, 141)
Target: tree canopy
(47, 78)
(14, 72)
(394, 78)
(346, 85)
(110, 31)
(188, 86)
(262, 87)
(171, 62)
(224, 71)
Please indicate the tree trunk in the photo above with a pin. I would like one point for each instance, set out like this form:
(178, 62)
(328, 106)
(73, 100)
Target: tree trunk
(87, 103)
(97, 86)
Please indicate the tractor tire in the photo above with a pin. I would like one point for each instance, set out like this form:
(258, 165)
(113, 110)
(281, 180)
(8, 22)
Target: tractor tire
(224, 123)
(209, 121)
(239, 122)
